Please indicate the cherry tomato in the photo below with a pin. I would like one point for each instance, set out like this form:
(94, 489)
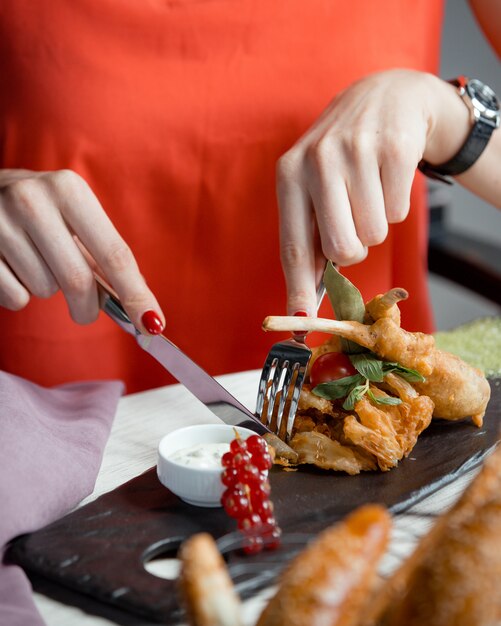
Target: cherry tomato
(330, 366)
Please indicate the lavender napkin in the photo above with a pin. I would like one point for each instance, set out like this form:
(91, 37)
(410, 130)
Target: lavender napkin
(51, 447)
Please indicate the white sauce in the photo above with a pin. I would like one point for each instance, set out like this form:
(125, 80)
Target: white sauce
(201, 455)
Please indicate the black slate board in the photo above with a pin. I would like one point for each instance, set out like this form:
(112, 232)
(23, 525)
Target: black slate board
(100, 548)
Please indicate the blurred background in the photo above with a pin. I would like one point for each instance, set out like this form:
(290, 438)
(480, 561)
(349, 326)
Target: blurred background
(465, 51)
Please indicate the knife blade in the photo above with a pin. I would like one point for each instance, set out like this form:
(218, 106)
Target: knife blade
(211, 393)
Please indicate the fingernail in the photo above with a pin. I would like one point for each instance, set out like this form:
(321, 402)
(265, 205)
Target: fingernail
(152, 322)
(300, 334)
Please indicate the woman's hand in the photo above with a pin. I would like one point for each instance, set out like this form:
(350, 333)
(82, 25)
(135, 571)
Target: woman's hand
(45, 217)
(350, 175)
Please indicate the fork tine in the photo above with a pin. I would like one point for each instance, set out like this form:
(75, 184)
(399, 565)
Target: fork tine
(281, 381)
(286, 367)
(270, 362)
(279, 371)
(284, 395)
(291, 414)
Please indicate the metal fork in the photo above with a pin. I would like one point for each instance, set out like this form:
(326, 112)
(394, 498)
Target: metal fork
(281, 380)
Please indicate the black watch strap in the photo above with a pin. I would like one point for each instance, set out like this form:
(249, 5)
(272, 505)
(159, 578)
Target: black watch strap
(484, 107)
(466, 156)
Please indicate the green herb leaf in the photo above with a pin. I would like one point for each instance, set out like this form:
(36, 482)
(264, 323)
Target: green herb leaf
(355, 395)
(346, 301)
(410, 375)
(369, 366)
(390, 400)
(340, 388)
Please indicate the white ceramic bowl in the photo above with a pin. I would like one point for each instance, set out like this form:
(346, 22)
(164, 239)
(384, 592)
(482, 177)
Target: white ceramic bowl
(201, 487)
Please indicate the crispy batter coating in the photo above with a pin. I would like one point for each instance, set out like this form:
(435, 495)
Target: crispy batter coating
(205, 586)
(385, 305)
(281, 453)
(369, 437)
(452, 578)
(320, 450)
(330, 581)
(457, 389)
(384, 337)
(388, 432)
(376, 432)
(308, 400)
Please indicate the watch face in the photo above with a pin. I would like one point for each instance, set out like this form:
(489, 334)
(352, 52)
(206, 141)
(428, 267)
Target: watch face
(483, 95)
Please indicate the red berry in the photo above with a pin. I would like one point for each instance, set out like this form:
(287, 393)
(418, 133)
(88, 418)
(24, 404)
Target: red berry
(253, 545)
(272, 539)
(265, 487)
(231, 492)
(259, 493)
(227, 459)
(264, 509)
(230, 476)
(255, 443)
(241, 458)
(249, 523)
(269, 521)
(250, 475)
(247, 495)
(238, 445)
(236, 506)
(263, 461)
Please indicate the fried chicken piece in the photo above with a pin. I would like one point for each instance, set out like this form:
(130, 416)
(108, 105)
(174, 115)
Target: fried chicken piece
(330, 581)
(320, 450)
(388, 432)
(457, 389)
(281, 453)
(308, 400)
(320, 415)
(452, 578)
(385, 306)
(206, 589)
(400, 387)
(374, 433)
(415, 416)
(384, 337)
(412, 416)
(304, 423)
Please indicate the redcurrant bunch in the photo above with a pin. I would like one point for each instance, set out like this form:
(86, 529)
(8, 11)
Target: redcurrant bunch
(247, 494)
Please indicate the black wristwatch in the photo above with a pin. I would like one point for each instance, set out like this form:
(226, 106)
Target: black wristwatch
(483, 105)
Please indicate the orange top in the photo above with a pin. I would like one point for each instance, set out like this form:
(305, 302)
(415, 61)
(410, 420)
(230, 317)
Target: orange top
(175, 112)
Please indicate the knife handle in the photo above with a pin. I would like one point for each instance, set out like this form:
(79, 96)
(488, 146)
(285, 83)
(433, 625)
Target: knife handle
(110, 303)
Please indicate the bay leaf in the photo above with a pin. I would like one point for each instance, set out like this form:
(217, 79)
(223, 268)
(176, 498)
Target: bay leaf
(346, 301)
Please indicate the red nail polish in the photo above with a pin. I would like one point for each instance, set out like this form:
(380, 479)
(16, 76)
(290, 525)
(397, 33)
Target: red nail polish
(152, 322)
(299, 335)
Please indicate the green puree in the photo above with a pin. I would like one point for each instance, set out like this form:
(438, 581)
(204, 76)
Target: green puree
(477, 343)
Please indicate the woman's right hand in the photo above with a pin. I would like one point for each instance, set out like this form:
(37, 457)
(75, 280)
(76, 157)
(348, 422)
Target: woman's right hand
(350, 175)
(44, 217)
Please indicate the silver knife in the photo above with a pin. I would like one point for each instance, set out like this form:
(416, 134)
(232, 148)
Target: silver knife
(215, 397)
